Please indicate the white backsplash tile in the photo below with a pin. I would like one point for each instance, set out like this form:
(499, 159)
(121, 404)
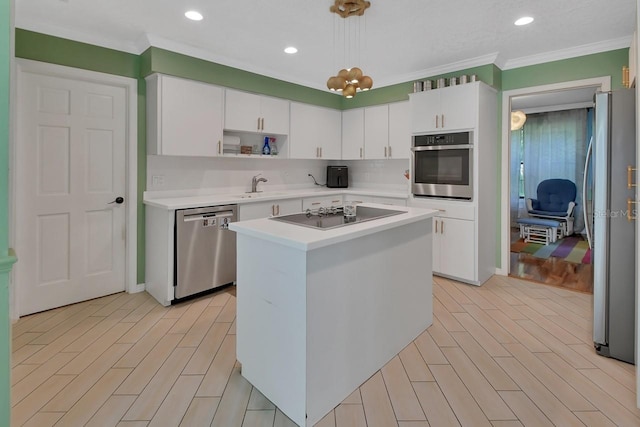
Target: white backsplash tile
(199, 175)
(227, 175)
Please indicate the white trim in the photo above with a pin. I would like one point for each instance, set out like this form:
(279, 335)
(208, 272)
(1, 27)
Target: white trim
(130, 85)
(572, 52)
(604, 83)
(441, 69)
(79, 36)
(13, 114)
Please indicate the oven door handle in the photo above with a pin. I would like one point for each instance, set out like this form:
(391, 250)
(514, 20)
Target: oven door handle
(443, 147)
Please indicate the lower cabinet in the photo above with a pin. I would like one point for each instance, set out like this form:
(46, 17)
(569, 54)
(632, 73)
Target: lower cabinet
(454, 248)
(267, 209)
(354, 198)
(322, 202)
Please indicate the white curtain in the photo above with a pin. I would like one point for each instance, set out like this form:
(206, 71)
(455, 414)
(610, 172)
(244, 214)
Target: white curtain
(555, 146)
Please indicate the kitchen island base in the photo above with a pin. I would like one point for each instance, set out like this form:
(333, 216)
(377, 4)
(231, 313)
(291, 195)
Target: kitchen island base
(313, 325)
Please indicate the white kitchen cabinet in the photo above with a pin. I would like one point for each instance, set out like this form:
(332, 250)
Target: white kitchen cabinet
(255, 113)
(376, 132)
(315, 132)
(353, 134)
(357, 199)
(321, 202)
(184, 117)
(399, 130)
(453, 248)
(249, 211)
(446, 109)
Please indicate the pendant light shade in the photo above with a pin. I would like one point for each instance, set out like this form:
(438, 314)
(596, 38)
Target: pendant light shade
(350, 80)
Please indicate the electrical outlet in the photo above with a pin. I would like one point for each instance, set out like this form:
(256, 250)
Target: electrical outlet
(157, 180)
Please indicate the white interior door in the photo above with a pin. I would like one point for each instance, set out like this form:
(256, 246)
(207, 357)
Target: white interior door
(70, 164)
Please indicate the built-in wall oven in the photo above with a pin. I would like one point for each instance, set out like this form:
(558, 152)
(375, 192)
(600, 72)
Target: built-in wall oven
(443, 165)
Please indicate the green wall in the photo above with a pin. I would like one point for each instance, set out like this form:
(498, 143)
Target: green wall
(6, 258)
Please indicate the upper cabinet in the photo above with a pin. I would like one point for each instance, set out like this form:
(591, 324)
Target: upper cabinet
(445, 110)
(184, 117)
(247, 112)
(376, 132)
(353, 134)
(399, 130)
(315, 132)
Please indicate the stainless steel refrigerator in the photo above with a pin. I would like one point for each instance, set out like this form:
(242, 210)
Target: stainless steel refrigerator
(612, 153)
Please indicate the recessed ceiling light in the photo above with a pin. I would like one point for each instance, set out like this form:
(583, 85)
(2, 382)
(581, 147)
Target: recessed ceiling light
(524, 20)
(291, 50)
(193, 15)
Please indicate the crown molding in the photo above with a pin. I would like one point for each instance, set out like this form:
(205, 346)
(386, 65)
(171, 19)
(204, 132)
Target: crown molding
(572, 52)
(77, 36)
(441, 69)
(206, 55)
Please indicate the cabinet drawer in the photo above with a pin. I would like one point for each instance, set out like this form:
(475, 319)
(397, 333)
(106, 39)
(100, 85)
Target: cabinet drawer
(321, 202)
(448, 209)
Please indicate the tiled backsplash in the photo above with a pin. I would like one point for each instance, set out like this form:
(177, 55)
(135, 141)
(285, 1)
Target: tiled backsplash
(224, 175)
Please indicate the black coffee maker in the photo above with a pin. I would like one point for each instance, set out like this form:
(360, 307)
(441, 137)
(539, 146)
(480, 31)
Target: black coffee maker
(337, 176)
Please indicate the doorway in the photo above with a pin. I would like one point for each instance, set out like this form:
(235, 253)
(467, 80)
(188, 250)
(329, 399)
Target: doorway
(73, 186)
(522, 263)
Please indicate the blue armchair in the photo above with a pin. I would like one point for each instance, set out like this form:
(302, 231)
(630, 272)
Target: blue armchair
(556, 200)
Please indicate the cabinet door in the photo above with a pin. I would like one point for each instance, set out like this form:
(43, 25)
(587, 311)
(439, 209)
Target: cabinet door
(190, 118)
(459, 107)
(315, 132)
(331, 138)
(425, 110)
(289, 206)
(353, 134)
(457, 248)
(399, 130)
(241, 111)
(376, 132)
(274, 114)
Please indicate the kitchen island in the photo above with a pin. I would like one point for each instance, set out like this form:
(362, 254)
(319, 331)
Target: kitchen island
(320, 311)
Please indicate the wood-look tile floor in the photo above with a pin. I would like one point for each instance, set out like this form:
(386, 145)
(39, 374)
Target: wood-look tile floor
(508, 353)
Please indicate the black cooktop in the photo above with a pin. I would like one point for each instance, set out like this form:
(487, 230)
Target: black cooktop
(328, 218)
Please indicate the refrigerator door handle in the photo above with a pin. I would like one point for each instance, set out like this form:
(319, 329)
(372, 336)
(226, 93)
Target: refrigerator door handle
(587, 223)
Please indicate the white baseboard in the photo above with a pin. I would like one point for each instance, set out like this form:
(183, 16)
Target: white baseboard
(140, 287)
(502, 272)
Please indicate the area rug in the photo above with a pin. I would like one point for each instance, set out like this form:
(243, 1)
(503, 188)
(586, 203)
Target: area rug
(571, 249)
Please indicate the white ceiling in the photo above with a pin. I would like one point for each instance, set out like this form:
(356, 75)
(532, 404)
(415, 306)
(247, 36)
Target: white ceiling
(399, 40)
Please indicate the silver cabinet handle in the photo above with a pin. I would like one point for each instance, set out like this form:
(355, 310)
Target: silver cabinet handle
(317, 151)
(335, 201)
(258, 123)
(262, 123)
(315, 203)
(443, 120)
(219, 147)
(320, 152)
(437, 118)
(385, 151)
(436, 226)
(277, 209)
(360, 152)
(441, 227)
(389, 152)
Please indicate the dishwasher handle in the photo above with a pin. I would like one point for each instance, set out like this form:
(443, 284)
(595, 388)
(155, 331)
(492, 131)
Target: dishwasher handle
(199, 217)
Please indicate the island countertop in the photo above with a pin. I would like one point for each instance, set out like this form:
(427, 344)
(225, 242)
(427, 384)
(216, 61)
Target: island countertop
(307, 239)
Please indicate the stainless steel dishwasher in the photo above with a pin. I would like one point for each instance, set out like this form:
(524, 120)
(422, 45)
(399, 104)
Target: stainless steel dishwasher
(205, 252)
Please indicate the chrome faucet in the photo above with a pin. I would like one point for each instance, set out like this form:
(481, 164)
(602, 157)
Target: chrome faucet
(254, 183)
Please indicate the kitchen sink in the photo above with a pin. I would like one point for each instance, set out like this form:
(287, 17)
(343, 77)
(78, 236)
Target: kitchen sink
(326, 219)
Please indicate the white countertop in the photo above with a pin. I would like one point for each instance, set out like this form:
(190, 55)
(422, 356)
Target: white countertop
(195, 201)
(306, 238)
